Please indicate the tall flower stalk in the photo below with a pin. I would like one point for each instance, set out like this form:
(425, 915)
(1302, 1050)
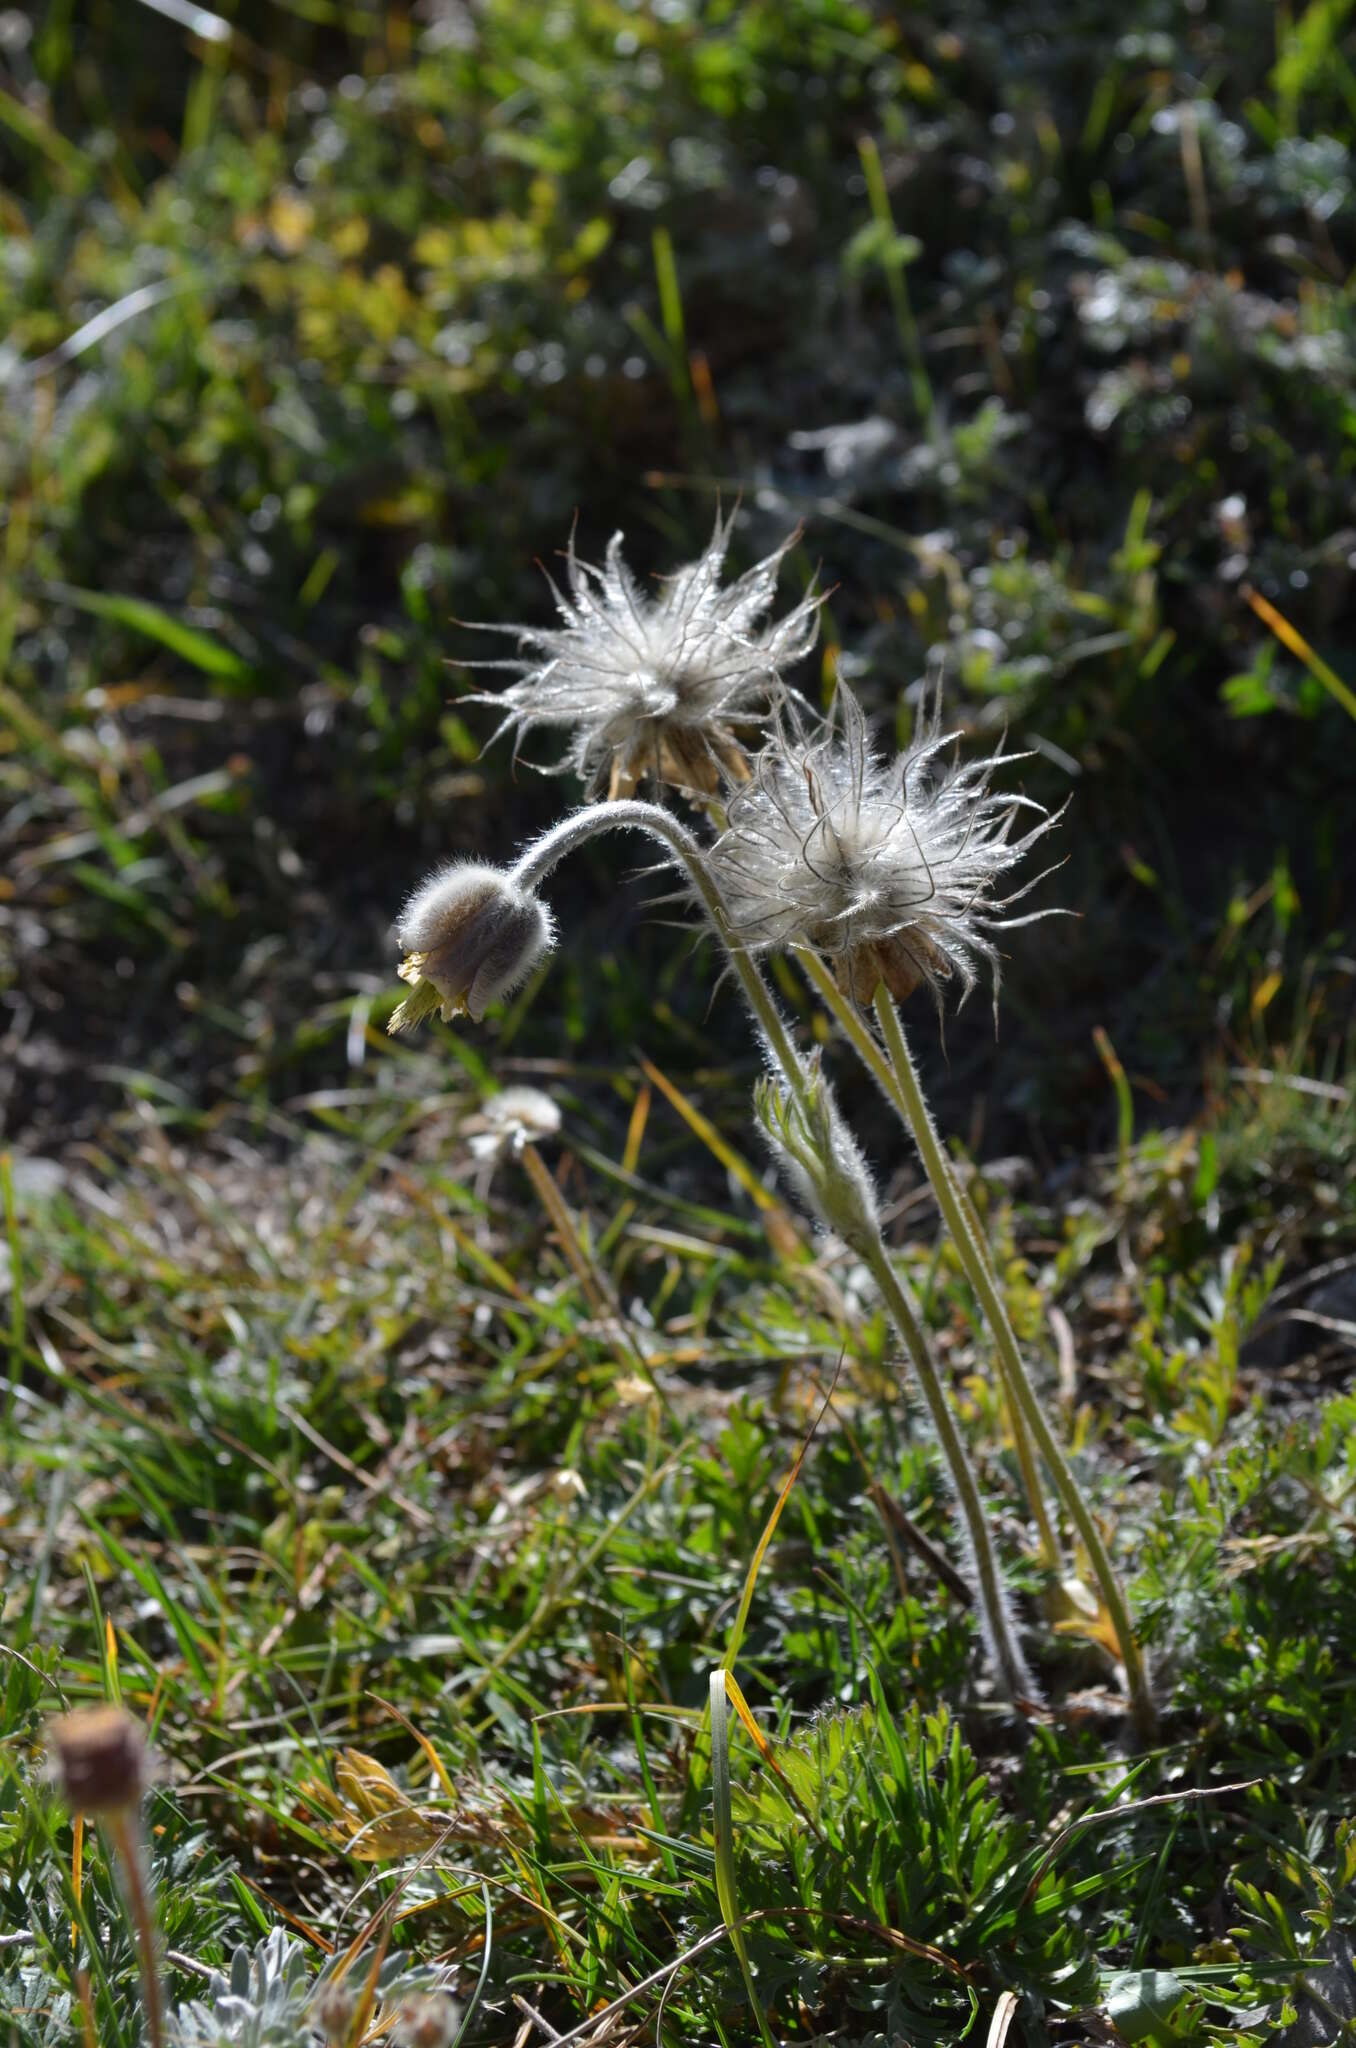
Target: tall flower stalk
(878, 876)
(956, 1213)
(881, 877)
(811, 1135)
(898, 1077)
(98, 1761)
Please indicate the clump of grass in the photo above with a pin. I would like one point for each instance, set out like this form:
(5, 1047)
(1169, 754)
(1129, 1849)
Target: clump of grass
(429, 1621)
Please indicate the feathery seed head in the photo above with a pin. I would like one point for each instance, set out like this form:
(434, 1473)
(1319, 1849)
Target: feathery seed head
(469, 935)
(892, 870)
(654, 685)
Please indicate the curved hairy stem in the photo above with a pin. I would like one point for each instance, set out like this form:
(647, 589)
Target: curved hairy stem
(560, 840)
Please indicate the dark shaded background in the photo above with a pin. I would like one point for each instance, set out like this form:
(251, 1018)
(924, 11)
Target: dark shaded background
(405, 316)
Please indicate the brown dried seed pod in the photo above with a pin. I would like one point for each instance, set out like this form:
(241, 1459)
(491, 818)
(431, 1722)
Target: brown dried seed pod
(99, 1759)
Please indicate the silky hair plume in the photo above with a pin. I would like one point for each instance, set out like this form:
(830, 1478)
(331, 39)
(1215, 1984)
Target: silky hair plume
(894, 871)
(655, 685)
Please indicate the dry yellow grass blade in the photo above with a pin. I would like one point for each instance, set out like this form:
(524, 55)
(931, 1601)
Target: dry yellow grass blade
(783, 1235)
(1295, 643)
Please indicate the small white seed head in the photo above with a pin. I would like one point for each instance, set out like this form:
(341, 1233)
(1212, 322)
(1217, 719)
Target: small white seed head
(510, 1120)
(469, 936)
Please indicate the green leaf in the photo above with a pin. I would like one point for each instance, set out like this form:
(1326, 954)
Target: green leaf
(722, 1820)
(213, 657)
(1150, 2005)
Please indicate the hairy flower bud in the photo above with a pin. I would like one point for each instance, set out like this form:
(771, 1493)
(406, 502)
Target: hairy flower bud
(818, 1152)
(98, 1760)
(469, 935)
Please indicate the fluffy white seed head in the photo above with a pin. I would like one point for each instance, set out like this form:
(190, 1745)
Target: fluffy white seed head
(510, 1120)
(655, 684)
(893, 871)
(469, 936)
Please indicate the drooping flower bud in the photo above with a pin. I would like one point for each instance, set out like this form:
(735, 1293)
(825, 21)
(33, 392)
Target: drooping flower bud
(469, 935)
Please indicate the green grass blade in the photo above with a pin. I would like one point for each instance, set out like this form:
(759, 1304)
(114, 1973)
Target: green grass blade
(723, 1829)
(138, 615)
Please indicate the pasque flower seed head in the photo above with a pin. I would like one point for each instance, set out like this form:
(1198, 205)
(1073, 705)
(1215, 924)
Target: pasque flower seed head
(469, 935)
(655, 684)
(891, 870)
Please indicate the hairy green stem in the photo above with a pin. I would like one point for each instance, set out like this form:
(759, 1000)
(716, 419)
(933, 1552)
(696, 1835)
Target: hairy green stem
(960, 1221)
(1017, 1682)
(1019, 1385)
(898, 1077)
(532, 868)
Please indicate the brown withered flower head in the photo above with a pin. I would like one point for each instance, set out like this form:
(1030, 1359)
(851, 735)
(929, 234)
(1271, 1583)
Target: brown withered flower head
(98, 1759)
